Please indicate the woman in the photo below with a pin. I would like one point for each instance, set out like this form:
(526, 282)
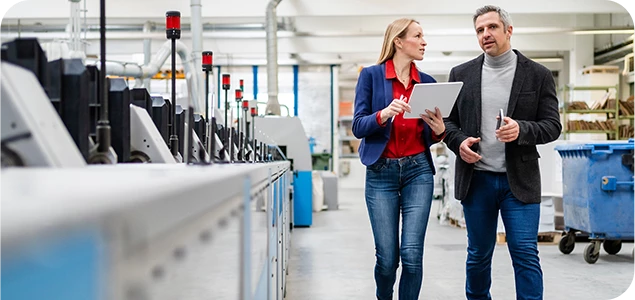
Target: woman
(396, 152)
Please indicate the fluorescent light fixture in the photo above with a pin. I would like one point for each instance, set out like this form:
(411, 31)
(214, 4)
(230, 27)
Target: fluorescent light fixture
(548, 59)
(603, 31)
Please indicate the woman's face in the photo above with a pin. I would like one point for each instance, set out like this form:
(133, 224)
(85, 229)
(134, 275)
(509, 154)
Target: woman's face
(412, 45)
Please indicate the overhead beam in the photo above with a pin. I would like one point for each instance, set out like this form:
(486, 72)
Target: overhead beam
(336, 45)
(43, 9)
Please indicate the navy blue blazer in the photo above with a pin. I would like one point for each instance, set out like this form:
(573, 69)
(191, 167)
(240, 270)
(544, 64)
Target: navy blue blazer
(372, 94)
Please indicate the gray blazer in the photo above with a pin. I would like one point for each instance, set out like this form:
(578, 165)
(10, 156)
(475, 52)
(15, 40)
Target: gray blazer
(532, 103)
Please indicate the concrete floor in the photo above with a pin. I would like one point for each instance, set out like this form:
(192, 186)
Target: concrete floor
(334, 259)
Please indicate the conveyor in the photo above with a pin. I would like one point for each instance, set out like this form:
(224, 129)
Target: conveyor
(143, 236)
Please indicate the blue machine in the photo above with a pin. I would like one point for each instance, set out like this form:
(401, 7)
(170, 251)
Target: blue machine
(597, 195)
(289, 135)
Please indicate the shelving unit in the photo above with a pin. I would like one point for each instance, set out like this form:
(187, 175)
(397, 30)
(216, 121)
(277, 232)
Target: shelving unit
(348, 143)
(611, 114)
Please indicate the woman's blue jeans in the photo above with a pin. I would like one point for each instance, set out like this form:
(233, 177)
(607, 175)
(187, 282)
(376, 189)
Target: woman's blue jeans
(395, 186)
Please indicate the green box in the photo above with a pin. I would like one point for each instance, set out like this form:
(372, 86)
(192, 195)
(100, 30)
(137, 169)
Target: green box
(320, 161)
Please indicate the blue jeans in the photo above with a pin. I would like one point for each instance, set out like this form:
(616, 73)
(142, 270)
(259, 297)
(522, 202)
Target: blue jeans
(489, 193)
(392, 186)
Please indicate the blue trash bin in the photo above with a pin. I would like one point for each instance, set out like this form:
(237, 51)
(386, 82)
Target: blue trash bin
(597, 195)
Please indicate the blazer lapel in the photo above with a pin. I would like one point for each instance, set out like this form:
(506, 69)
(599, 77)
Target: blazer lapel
(387, 87)
(477, 71)
(519, 78)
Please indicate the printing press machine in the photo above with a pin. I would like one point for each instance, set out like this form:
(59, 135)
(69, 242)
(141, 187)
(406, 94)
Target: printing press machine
(131, 221)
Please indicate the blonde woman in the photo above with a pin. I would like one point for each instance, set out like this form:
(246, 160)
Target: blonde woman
(396, 152)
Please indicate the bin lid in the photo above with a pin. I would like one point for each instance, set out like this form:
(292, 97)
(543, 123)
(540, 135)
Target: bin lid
(603, 147)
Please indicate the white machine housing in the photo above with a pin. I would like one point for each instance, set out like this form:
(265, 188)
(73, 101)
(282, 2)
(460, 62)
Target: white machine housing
(27, 110)
(289, 132)
(146, 138)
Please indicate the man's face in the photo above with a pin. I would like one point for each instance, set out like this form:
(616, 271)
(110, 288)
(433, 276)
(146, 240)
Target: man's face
(492, 36)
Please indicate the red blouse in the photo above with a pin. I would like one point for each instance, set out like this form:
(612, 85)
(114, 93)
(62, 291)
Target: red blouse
(406, 134)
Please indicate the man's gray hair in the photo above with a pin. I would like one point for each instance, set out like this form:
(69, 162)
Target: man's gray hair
(503, 14)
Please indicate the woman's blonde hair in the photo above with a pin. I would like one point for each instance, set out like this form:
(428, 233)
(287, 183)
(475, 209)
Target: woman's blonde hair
(397, 29)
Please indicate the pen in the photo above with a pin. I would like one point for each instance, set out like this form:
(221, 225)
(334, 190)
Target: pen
(393, 117)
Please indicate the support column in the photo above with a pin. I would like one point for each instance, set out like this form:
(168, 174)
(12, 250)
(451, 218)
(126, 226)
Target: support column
(335, 112)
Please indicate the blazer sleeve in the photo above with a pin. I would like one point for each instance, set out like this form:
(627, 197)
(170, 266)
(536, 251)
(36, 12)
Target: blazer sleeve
(364, 119)
(454, 136)
(547, 126)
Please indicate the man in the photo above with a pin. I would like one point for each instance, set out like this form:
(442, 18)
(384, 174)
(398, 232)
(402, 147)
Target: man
(497, 169)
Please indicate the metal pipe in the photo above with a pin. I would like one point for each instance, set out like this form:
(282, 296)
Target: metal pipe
(147, 53)
(295, 89)
(255, 72)
(85, 24)
(281, 106)
(271, 28)
(74, 24)
(147, 71)
(196, 29)
(138, 27)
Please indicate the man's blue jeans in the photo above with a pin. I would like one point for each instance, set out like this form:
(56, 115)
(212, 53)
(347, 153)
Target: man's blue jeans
(394, 185)
(489, 193)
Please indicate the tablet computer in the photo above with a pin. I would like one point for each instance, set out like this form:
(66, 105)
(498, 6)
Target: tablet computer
(430, 95)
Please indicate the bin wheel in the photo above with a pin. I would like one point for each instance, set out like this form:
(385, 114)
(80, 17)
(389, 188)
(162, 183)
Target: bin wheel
(589, 255)
(612, 247)
(567, 243)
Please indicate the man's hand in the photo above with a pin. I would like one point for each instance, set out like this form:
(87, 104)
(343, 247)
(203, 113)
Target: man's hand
(396, 107)
(466, 153)
(508, 132)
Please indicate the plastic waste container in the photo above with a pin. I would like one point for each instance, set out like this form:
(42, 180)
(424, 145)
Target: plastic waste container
(597, 195)
(320, 161)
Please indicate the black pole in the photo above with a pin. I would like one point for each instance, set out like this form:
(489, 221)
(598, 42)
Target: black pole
(190, 135)
(237, 116)
(243, 137)
(173, 58)
(212, 141)
(207, 59)
(211, 134)
(253, 125)
(173, 32)
(103, 125)
(238, 102)
(102, 50)
(226, 108)
(226, 141)
(239, 144)
(232, 133)
(207, 96)
(174, 139)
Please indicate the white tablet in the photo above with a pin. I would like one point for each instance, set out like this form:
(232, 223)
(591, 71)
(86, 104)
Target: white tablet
(430, 95)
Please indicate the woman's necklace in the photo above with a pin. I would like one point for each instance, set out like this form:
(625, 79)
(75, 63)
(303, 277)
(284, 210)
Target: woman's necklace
(403, 79)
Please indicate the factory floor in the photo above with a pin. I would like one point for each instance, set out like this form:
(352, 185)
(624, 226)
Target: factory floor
(334, 259)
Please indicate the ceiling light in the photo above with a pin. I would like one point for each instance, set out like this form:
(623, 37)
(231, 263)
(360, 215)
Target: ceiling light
(604, 31)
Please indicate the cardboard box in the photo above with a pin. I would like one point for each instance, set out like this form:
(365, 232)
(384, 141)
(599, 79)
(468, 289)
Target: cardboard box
(346, 108)
(355, 145)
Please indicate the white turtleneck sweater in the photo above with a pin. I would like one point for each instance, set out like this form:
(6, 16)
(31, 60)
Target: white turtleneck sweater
(496, 85)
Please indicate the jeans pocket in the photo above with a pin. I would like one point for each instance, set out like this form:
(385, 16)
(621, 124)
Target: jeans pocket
(420, 160)
(378, 165)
